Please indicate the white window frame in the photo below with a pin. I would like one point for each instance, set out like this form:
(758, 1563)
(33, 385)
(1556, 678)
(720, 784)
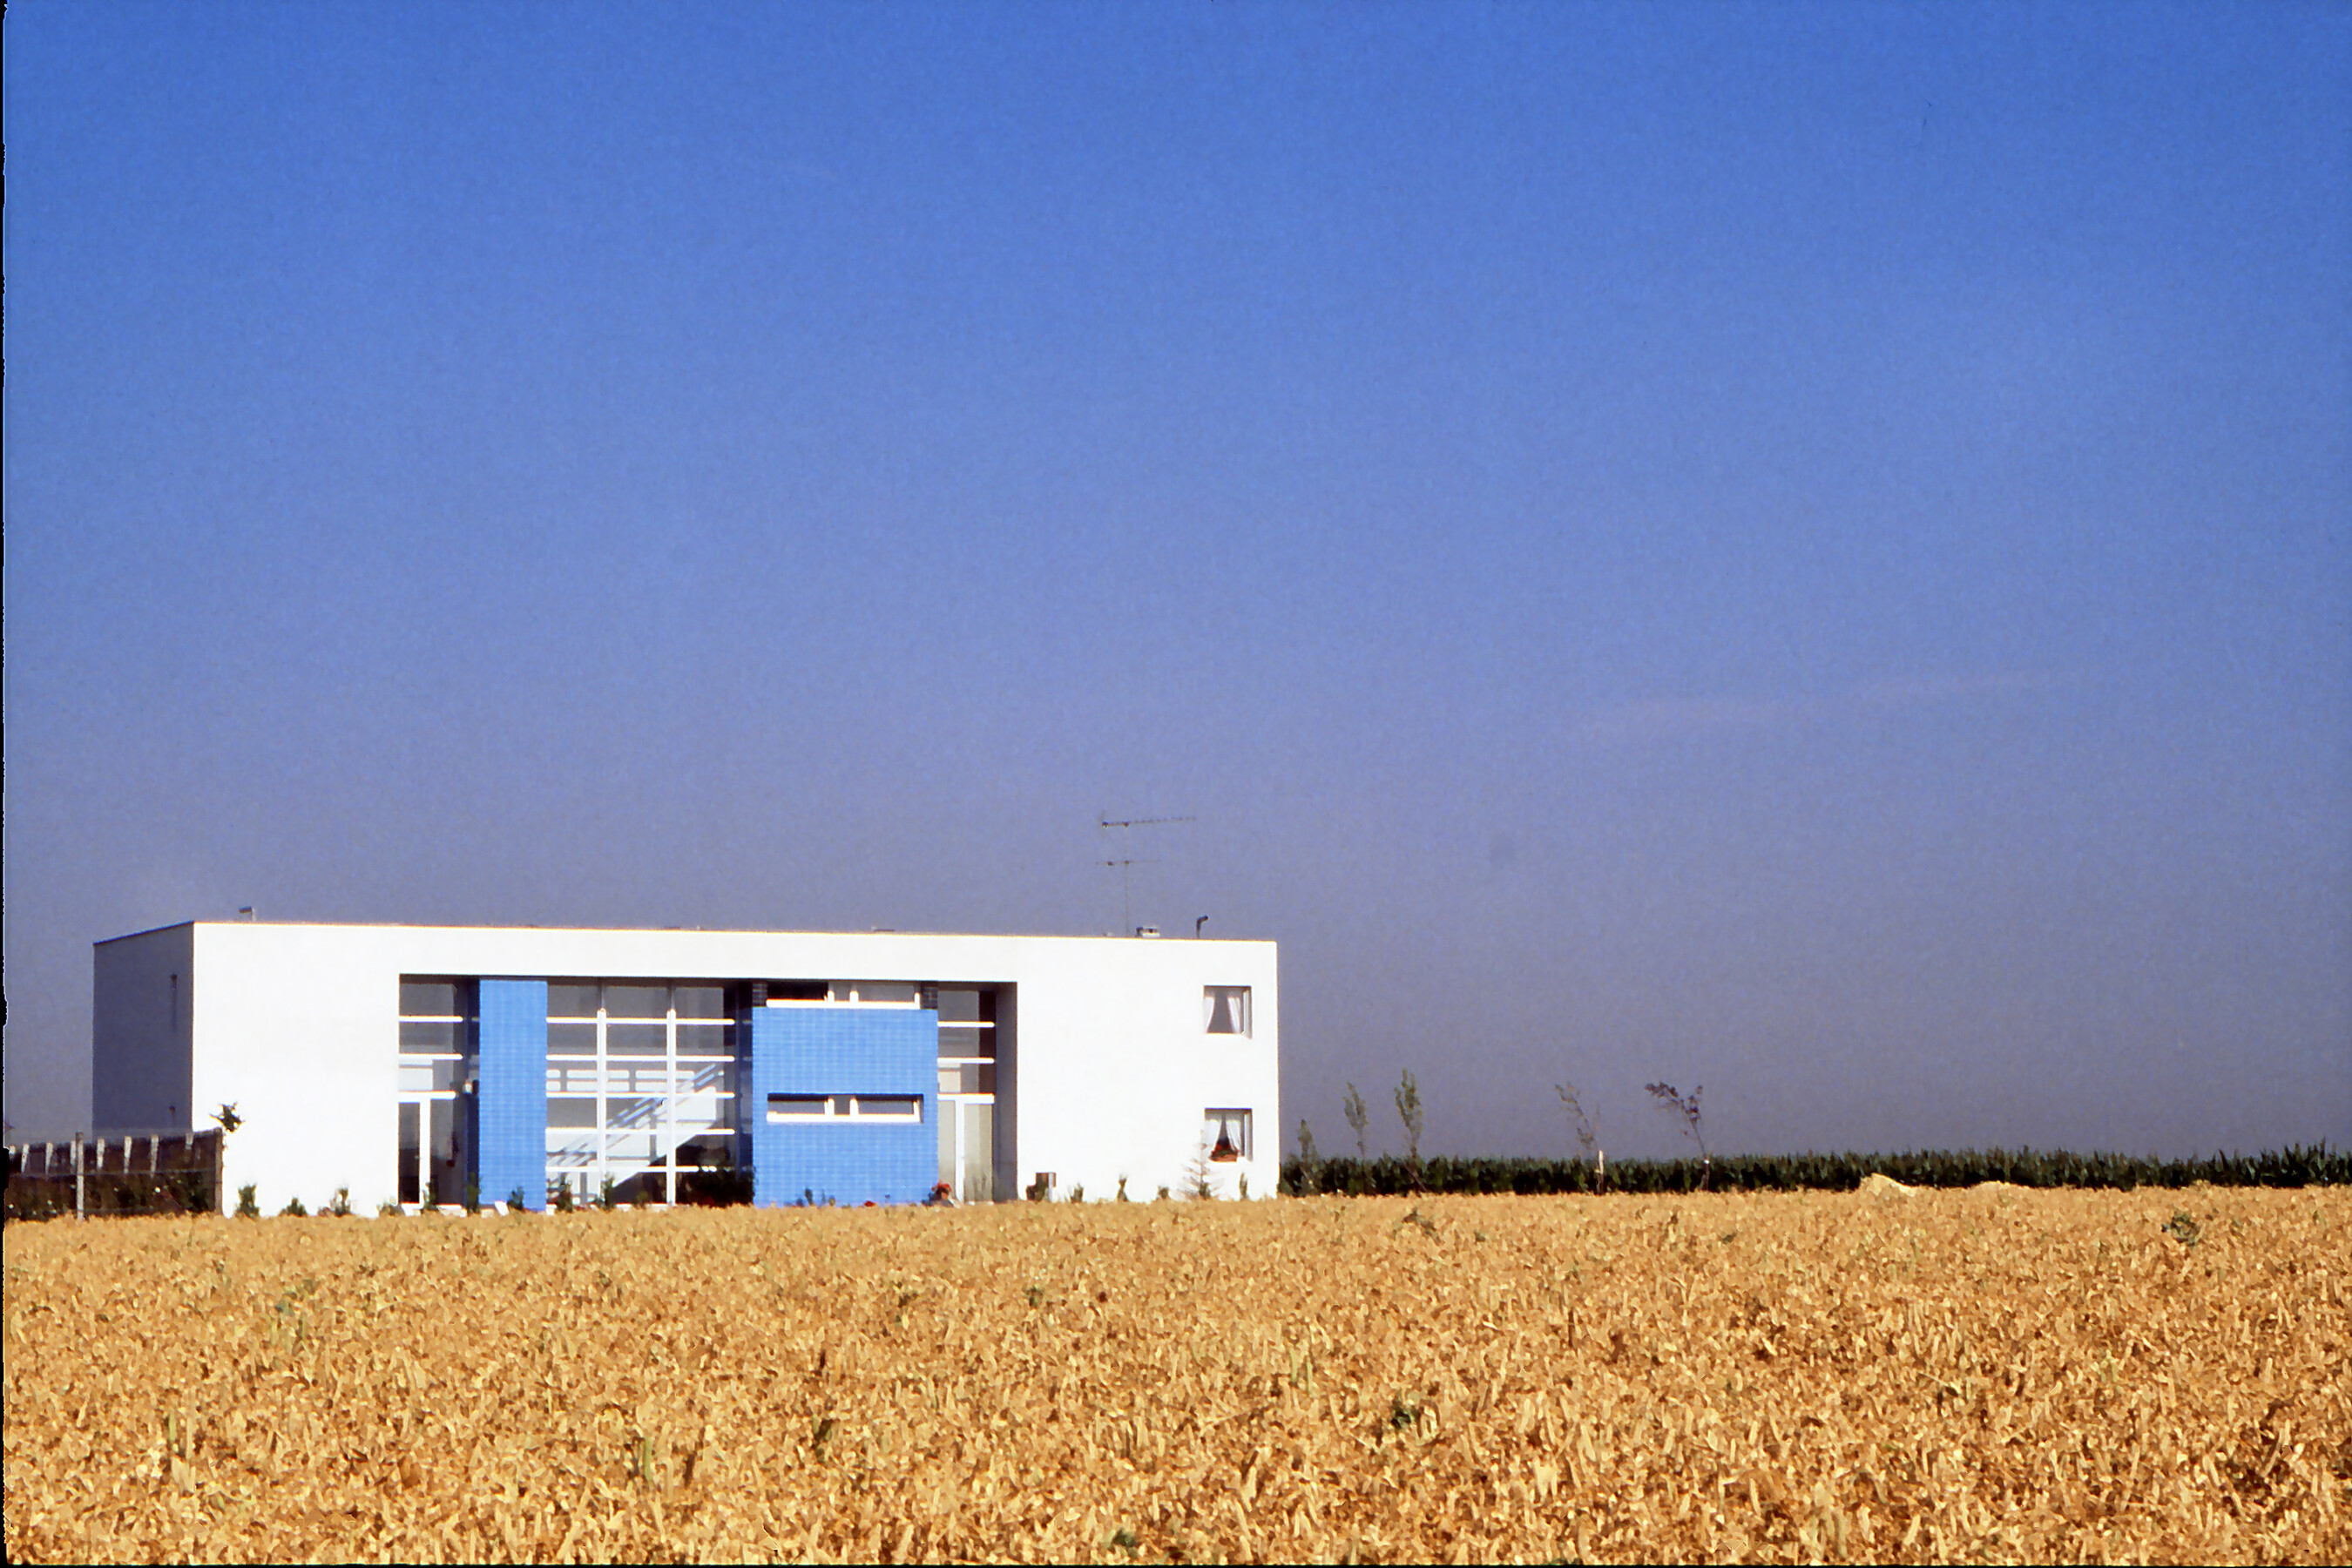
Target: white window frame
(846, 1107)
(1242, 1010)
(1215, 1120)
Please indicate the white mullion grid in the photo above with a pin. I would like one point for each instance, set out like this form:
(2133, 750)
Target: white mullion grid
(953, 1101)
(604, 1138)
(667, 1121)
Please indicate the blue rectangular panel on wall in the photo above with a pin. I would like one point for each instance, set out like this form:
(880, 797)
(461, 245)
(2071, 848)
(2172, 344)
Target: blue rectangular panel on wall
(838, 1051)
(510, 1094)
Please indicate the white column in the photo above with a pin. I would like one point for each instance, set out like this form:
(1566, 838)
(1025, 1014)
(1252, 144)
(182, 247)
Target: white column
(603, 1137)
(669, 1123)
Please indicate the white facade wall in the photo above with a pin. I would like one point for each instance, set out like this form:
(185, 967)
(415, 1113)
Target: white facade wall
(297, 1026)
(141, 1008)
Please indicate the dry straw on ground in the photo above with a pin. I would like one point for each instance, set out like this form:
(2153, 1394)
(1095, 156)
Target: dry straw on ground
(1995, 1373)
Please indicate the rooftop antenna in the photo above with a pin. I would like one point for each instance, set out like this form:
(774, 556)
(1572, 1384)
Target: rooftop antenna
(1106, 822)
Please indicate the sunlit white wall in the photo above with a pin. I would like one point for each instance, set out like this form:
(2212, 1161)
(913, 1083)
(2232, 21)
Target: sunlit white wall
(1110, 1071)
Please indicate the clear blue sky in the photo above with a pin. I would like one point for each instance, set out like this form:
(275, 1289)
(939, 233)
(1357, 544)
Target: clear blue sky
(1801, 548)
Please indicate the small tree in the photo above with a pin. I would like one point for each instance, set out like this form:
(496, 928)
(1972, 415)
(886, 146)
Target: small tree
(1669, 1098)
(1197, 1185)
(1358, 1120)
(1408, 1105)
(1307, 1159)
(230, 1122)
(1588, 1136)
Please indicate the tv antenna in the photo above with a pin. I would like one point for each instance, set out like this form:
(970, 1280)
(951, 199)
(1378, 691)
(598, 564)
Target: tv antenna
(1123, 860)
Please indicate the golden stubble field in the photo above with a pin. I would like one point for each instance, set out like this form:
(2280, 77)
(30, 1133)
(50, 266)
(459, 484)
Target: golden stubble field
(1994, 1374)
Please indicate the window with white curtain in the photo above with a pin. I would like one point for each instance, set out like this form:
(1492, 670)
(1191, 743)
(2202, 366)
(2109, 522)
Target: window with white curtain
(1227, 1008)
(1227, 1134)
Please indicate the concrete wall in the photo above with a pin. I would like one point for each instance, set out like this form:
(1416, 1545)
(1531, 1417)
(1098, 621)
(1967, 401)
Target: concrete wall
(299, 1026)
(1115, 1065)
(141, 1004)
(1105, 1075)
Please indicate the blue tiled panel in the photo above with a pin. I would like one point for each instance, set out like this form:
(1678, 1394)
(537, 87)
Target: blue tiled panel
(510, 1103)
(840, 1050)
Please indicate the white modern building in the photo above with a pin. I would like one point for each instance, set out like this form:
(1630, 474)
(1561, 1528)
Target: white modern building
(414, 1063)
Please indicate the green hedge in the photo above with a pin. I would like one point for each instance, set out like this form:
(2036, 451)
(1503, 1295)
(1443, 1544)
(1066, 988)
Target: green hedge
(2291, 1167)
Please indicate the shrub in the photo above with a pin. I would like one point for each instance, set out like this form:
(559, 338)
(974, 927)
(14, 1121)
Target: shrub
(1408, 1104)
(2292, 1167)
(1196, 1177)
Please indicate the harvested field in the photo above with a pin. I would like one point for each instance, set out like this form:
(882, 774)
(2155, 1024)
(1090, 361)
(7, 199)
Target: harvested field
(1995, 1373)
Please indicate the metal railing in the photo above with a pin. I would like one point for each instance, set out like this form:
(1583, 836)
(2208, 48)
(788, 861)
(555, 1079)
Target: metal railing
(165, 1171)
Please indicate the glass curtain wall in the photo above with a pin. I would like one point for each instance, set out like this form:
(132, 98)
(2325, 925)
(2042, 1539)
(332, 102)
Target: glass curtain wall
(967, 1091)
(436, 1065)
(640, 1088)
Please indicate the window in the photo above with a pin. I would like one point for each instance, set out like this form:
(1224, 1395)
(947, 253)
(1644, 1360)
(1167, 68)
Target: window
(566, 1000)
(428, 998)
(435, 1062)
(887, 993)
(637, 1039)
(702, 1002)
(1227, 1134)
(640, 1081)
(1227, 1008)
(844, 1108)
(646, 1002)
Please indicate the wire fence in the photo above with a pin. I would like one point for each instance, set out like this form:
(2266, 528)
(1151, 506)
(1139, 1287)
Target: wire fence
(123, 1174)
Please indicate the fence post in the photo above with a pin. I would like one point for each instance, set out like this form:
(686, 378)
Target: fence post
(78, 1197)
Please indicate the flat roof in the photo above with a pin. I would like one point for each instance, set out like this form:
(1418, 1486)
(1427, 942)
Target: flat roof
(667, 930)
